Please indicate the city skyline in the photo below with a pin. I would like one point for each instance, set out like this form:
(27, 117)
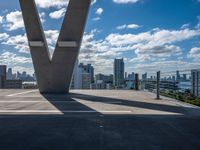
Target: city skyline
(174, 75)
(148, 41)
(83, 78)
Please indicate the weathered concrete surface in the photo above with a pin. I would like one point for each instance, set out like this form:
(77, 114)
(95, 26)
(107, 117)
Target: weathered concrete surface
(100, 120)
(54, 76)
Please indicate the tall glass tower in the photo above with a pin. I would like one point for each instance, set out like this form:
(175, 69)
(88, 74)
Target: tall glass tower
(118, 80)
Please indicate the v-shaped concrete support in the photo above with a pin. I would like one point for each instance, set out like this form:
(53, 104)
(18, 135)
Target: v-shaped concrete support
(54, 76)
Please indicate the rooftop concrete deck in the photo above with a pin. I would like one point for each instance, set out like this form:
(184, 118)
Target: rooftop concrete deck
(96, 119)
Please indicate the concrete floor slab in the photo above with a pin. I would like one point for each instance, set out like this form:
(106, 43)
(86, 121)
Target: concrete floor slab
(96, 119)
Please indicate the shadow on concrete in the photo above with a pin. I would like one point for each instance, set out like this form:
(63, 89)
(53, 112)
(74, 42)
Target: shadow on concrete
(138, 104)
(66, 103)
(100, 132)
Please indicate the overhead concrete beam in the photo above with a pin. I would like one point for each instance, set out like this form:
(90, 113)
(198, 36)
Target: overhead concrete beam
(54, 75)
(67, 44)
(36, 43)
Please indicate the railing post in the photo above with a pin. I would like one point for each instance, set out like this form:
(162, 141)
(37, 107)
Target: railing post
(158, 85)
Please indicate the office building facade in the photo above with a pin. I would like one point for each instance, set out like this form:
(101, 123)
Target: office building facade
(102, 82)
(144, 76)
(195, 75)
(104, 78)
(88, 69)
(9, 74)
(118, 79)
(83, 76)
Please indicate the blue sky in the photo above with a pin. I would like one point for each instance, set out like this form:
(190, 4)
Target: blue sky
(150, 35)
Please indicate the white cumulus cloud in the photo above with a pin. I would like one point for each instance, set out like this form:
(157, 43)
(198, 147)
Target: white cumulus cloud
(128, 26)
(10, 58)
(58, 14)
(194, 53)
(14, 20)
(52, 3)
(99, 11)
(3, 36)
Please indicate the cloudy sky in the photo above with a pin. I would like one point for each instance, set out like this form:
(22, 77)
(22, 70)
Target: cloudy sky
(150, 35)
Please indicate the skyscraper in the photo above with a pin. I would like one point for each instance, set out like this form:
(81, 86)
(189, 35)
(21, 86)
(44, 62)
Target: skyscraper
(82, 76)
(131, 76)
(88, 69)
(178, 77)
(195, 74)
(118, 80)
(184, 77)
(125, 75)
(77, 77)
(144, 76)
(9, 74)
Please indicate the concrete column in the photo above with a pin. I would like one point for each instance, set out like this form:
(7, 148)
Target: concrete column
(54, 76)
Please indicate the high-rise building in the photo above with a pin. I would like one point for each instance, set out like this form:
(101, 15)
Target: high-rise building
(129, 81)
(9, 74)
(184, 77)
(195, 75)
(86, 80)
(131, 76)
(102, 81)
(126, 76)
(82, 75)
(104, 78)
(18, 75)
(76, 78)
(173, 78)
(118, 80)
(178, 77)
(88, 69)
(24, 75)
(144, 76)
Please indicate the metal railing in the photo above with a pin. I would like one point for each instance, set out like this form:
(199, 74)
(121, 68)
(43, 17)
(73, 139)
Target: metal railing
(163, 83)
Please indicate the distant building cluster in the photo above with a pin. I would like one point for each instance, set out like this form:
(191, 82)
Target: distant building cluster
(6, 83)
(102, 81)
(168, 81)
(177, 82)
(10, 80)
(84, 78)
(19, 76)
